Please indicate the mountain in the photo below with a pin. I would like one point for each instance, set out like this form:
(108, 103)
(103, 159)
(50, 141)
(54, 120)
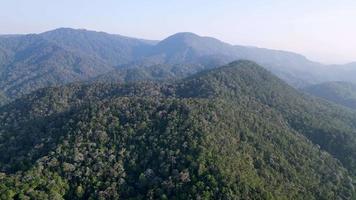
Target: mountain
(111, 49)
(335, 132)
(61, 56)
(30, 62)
(190, 48)
(343, 93)
(344, 73)
(234, 132)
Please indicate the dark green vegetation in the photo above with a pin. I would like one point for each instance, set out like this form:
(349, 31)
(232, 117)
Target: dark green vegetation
(342, 93)
(30, 62)
(159, 72)
(236, 132)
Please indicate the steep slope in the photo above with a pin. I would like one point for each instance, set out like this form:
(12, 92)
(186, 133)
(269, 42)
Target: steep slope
(325, 124)
(228, 133)
(342, 93)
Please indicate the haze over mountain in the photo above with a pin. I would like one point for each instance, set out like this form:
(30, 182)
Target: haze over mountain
(110, 49)
(322, 29)
(343, 93)
(29, 62)
(234, 132)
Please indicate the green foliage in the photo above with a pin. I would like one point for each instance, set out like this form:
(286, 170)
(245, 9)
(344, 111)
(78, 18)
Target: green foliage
(236, 132)
(144, 72)
(327, 125)
(36, 183)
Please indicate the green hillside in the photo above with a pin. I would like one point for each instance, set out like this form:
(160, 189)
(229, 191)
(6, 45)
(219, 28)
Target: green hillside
(235, 132)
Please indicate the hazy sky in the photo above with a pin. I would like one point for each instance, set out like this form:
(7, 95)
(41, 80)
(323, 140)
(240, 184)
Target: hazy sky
(323, 30)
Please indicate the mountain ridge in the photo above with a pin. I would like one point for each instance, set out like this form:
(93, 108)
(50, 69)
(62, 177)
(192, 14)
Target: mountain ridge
(87, 54)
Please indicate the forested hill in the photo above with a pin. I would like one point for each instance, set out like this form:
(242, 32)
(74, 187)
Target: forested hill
(342, 93)
(235, 132)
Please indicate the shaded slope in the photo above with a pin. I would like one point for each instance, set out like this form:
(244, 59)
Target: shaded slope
(342, 93)
(325, 124)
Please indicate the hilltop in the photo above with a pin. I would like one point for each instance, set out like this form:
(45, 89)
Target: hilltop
(232, 132)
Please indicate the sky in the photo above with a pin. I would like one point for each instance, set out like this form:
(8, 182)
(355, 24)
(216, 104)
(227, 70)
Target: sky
(322, 30)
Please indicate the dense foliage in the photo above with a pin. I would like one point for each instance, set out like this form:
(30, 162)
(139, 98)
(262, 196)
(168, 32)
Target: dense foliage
(342, 93)
(235, 132)
(142, 72)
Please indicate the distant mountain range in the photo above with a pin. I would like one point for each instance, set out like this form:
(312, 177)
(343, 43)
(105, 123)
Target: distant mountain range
(29, 62)
(342, 93)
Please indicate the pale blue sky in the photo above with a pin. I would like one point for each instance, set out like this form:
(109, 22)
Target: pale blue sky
(323, 30)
